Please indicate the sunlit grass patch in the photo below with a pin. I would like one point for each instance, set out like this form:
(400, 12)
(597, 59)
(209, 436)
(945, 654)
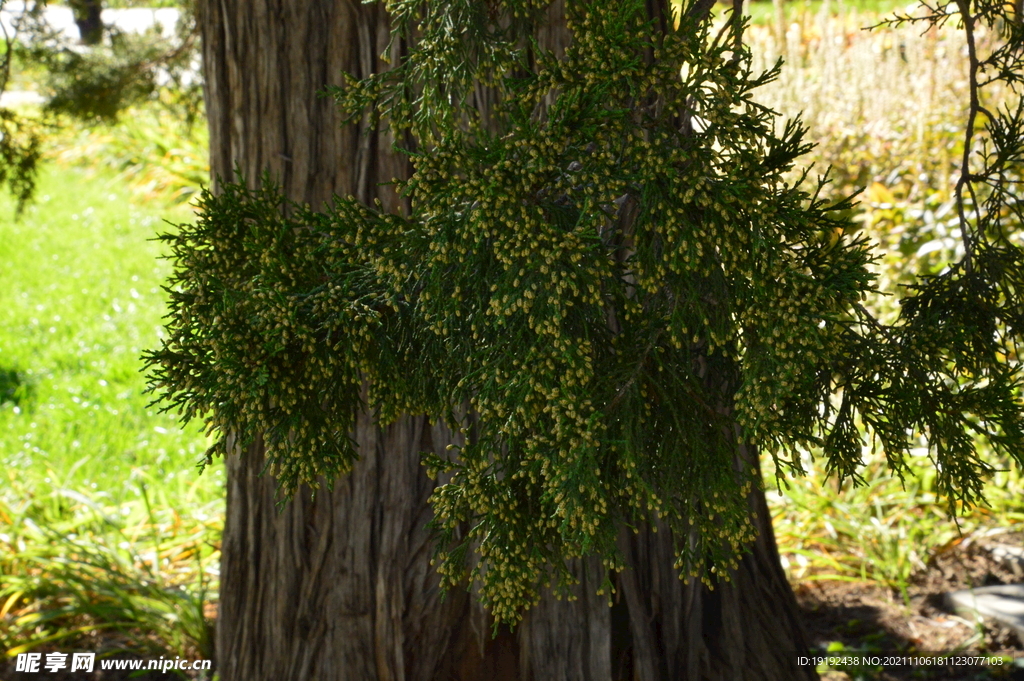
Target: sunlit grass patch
(883, 530)
(106, 529)
(80, 299)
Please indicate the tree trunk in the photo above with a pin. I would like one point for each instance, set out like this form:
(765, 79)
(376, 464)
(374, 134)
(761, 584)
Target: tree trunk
(87, 18)
(339, 586)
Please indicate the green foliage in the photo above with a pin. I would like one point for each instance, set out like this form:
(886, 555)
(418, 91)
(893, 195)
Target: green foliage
(85, 567)
(904, 142)
(98, 84)
(159, 156)
(89, 84)
(19, 139)
(608, 286)
(20, 149)
(125, 69)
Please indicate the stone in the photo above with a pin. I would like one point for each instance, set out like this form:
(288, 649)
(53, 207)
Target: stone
(1004, 603)
(1010, 557)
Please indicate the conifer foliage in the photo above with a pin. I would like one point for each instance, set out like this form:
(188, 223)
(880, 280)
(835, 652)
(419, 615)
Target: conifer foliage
(606, 283)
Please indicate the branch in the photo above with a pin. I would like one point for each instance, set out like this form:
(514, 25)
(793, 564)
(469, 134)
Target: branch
(6, 67)
(972, 115)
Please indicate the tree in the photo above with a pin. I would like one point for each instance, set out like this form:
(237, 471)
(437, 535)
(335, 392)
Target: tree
(96, 83)
(88, 18)
(347, 575)
(599, 285)
(101, 80)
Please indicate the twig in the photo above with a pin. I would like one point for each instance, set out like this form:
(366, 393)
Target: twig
(6, 67)
(972, 114)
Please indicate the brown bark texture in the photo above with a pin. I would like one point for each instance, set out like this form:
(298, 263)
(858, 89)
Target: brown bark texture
(338, 586)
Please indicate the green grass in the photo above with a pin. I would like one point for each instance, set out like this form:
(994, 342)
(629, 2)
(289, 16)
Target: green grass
(884, 530)
(80, 299)
(105, 524)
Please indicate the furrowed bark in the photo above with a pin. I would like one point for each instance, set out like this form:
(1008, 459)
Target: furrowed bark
(337, 586)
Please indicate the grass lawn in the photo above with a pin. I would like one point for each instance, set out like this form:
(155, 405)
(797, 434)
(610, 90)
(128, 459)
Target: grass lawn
(102, 499)
(80, 299)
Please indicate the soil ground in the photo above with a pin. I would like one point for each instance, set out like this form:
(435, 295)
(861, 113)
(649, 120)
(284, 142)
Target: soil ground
(867, 618)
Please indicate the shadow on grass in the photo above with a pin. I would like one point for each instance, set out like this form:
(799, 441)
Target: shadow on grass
(13, 388)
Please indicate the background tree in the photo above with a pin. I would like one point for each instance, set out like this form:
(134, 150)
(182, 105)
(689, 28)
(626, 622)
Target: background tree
(603, 262)
(89, 20)
(118, 69)
(20, 137)
(98, 83)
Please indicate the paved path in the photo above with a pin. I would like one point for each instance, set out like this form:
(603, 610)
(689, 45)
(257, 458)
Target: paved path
(16, 98)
